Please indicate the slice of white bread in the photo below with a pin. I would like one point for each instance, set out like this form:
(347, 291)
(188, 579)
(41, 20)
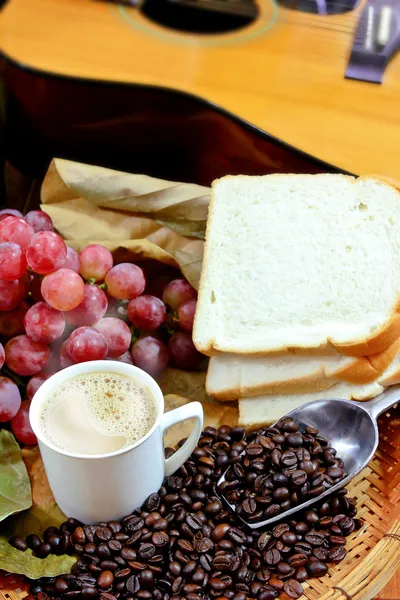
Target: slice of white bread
(231, 376)
(268, 408)
(300, 261)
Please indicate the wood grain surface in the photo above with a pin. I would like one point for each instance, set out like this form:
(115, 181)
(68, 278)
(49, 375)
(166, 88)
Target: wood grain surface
(392, 590)
(284, 73)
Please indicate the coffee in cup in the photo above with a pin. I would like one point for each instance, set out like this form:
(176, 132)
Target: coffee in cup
(97, 413)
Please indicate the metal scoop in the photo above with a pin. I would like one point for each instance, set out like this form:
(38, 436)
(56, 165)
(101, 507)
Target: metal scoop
(350, 427)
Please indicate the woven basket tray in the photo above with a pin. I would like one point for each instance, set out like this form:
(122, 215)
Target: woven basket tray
(373, 551)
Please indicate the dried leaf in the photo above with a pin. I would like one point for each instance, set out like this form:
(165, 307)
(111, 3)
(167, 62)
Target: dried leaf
(15, 488)
(151, 218)
(130, 192)
(25, 563)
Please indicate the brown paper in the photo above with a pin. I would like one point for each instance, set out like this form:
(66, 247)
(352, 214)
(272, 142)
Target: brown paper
(151, 218)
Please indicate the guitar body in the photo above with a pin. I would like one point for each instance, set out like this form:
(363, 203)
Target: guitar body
(103, 83)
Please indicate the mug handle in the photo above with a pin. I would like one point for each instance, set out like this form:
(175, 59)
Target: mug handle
(193, 410)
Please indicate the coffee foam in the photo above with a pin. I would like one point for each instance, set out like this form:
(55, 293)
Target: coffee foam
(97, 413)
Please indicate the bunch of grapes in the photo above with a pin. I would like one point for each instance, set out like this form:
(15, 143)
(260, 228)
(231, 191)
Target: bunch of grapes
(59, 307)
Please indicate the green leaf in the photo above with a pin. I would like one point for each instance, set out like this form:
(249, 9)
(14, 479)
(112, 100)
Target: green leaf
(24, 563)
(15, 487)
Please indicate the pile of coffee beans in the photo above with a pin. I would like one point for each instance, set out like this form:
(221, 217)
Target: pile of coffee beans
(279, 469)
(183, 544)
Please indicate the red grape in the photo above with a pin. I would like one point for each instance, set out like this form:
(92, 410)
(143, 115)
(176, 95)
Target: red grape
(146, 312)
(156, 285)
(2, 355)
(63, 290)
(46, 252)
(21, 425)
(96, 261)
(12, 261)
(92, 308)
(117, 334)
(85, 343)
(35, 382)
(125, 358)
(186, 314)
(44, 324)
(10, 399)
(182, 351)
(149, 354)
(39, 220)
(125, 281)
(6, 212)
(12, 321)
(72, 261)
(64, 360)
(35, 287)
(12, 293)
(177, 292)
(17, 230)
(26, 357)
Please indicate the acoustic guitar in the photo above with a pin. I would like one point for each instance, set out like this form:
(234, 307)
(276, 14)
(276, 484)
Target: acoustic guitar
(181, 90)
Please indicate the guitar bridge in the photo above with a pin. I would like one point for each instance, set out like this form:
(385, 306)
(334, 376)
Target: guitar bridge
(377, 40)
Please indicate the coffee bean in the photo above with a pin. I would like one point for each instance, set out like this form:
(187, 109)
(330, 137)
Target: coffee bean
(105, 579)
(43, 550)
(189, 568)
(336, 554)
(19, 543)
(281, 494)
(254, 449)
(289, 425)
(320, 553)
(160, 538)
(295, 439)
(301, 528)
(288, 459)
(311, 516)
(347, 525)
(128, 554)
(160, 525)
(303, 548)
(272, 557)
(289, 538)
(298, 560)
(237, 535)
(79, 535)
(132, 584)
(219, 532)
(314, 538)
(276, 457)
(134, 523)
(263, 540)
(293, 588)
(146, 579)
(104, 534)
(109, 565)
(279, 530)
(272, 511)
(33, 541)
(299, 477)
(317, 569)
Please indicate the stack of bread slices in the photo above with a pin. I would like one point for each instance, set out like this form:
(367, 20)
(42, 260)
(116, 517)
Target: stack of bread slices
(300, 291)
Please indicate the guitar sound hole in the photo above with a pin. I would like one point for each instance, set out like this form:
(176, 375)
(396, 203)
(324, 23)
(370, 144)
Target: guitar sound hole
(201, 16)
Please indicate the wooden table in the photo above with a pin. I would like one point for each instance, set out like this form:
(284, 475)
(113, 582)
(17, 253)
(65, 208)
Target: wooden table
(392, 590)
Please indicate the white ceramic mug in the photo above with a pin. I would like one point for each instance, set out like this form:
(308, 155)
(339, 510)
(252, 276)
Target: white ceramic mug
(104, 487)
